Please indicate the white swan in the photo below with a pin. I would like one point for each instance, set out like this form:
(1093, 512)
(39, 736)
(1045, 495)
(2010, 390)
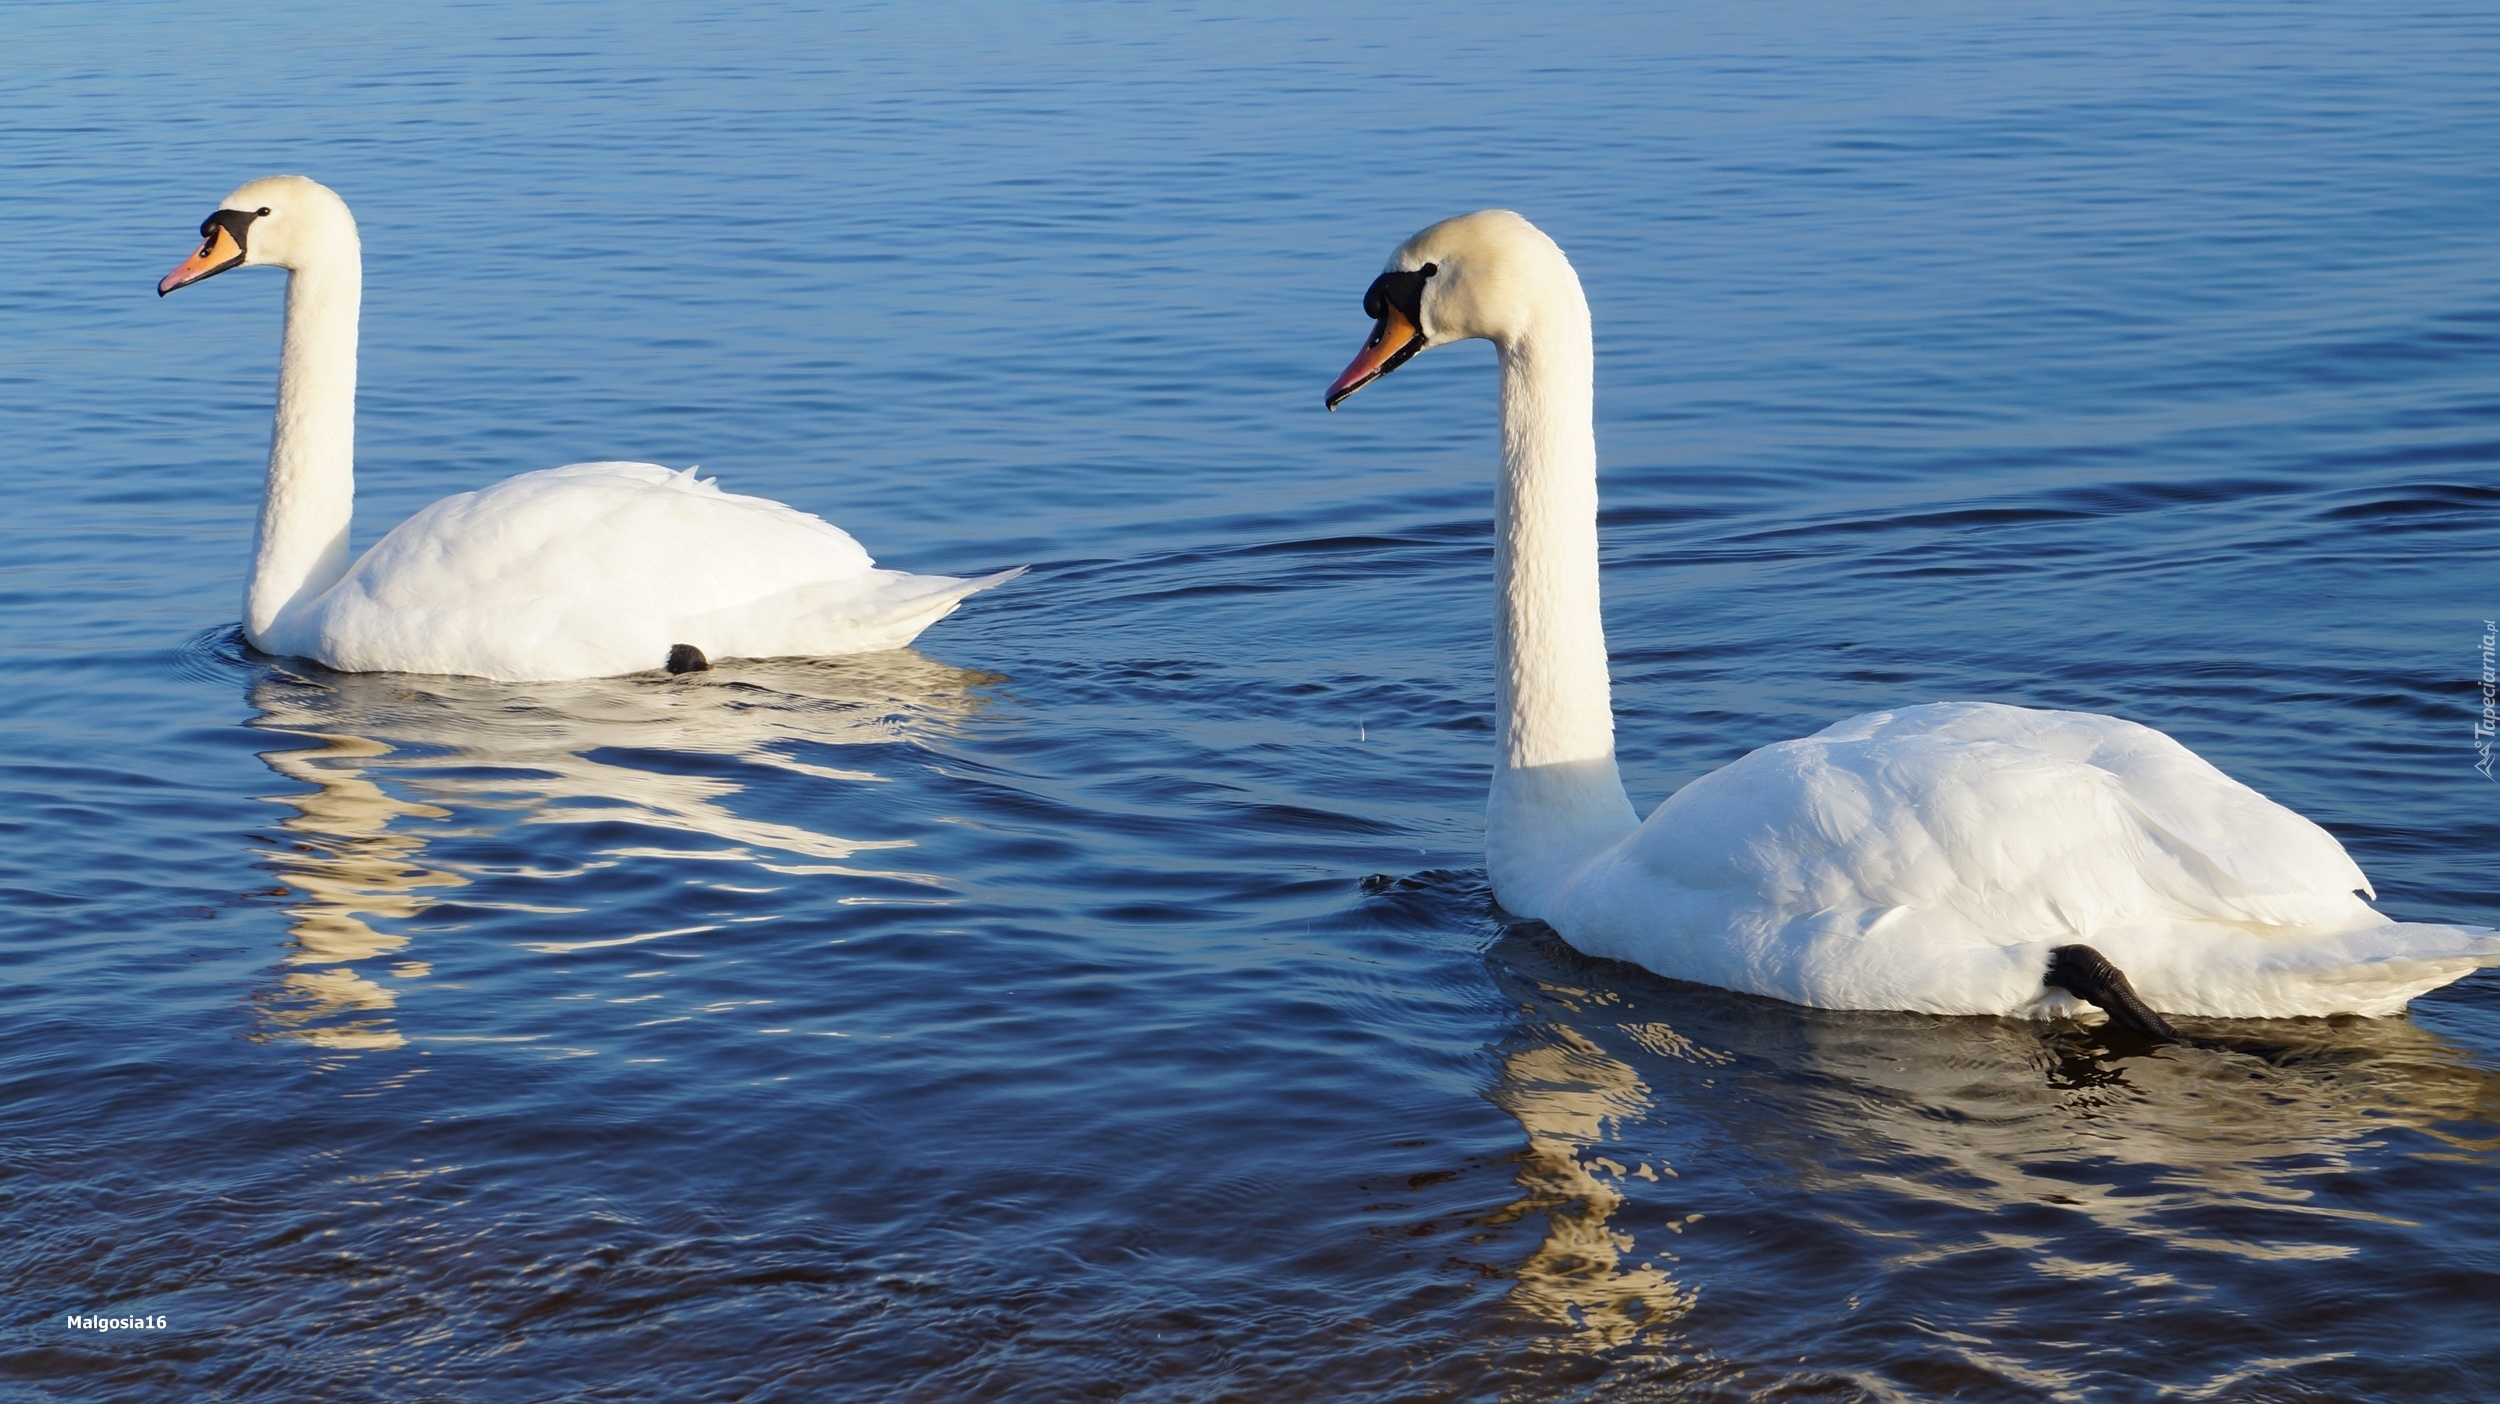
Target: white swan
(586, 571)
(1953, 858)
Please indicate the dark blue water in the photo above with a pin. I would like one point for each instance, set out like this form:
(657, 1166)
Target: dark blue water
(1104, 1001)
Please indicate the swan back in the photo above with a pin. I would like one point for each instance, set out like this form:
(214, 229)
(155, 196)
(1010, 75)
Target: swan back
(1928, 858)
(571, 572)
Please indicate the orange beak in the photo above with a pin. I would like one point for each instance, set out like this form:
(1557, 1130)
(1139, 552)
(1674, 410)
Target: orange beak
(218, 252)
(1393, 340)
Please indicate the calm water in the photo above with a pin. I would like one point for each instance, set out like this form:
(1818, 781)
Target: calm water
(1104, 1000)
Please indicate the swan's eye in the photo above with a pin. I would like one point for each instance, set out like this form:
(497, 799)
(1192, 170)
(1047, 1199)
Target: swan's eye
(263, 209)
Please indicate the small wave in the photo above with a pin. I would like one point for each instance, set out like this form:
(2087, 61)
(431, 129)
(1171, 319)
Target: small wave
(216, 655)
(2419, 507)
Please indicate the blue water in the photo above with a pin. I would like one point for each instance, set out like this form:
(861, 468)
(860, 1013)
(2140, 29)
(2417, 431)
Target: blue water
(1104, 1000)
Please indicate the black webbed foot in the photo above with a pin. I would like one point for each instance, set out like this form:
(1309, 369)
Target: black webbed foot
(2087, 975)
(686, 658)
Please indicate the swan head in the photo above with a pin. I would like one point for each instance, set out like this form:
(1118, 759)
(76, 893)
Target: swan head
(1490, 275)
(280, 221)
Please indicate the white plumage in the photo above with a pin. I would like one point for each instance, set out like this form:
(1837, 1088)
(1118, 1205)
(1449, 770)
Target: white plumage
(585, 571)
(600, 568)
(1929, 858)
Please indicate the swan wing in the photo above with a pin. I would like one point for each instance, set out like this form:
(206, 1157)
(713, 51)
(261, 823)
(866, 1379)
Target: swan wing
(1928, 858)
(597, 569)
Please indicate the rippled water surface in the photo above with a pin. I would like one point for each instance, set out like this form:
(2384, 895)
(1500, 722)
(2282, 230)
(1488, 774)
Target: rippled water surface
(1104, 1000)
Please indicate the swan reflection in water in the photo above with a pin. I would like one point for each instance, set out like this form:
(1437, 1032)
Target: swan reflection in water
(386, 757)
(1874, 1145)
(1567, 1092)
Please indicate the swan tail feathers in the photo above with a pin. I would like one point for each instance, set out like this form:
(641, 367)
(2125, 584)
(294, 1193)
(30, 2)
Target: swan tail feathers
(886, 610)
(912, 603)
(2374, 970)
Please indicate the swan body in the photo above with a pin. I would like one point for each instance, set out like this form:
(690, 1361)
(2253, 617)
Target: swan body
(591, 570)
(476, 583)
(1932, 858)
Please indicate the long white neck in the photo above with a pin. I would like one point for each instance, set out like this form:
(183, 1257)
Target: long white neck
(1557, 798)
(301, 547)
